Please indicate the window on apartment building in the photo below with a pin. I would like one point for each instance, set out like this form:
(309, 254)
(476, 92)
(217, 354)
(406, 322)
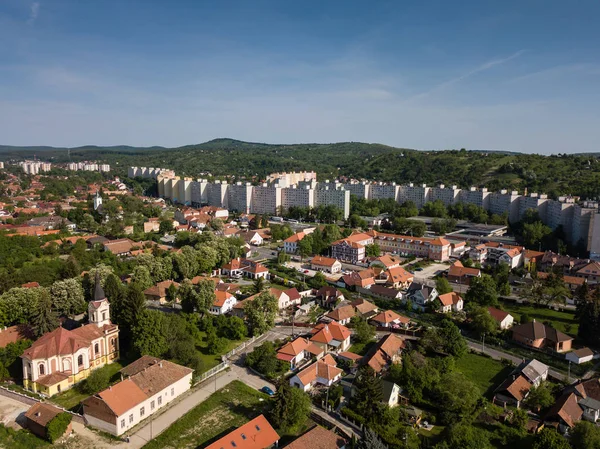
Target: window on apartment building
(142, 411)
(152, 405)
(130, 418)
(160, 400)
(123, 423)
(172, 391)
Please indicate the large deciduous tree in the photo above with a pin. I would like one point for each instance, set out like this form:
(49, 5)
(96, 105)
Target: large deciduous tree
(482, 290)
(67, 297)
(260, 313)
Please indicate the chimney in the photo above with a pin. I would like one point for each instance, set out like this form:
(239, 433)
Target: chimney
(160, 364)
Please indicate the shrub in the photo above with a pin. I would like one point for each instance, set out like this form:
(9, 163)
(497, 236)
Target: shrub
(57, 426)
(97, 381)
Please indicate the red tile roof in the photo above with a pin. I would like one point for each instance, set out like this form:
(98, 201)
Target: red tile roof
(256, 434)
(389, 316)
(317, 438)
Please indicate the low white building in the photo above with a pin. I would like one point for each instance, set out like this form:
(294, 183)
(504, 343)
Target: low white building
(579, 356)
(223, 303)
(149, 385)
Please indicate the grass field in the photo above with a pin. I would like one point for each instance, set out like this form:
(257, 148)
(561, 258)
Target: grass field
(361, 348)
(485, 372)
(70, 399)
(564, 321)
(212, 360)
(222, 412)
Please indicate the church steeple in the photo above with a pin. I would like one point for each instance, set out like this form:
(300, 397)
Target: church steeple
(98, 308)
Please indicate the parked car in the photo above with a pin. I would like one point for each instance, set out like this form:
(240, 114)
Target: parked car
(267, 390)
(306, 271)
(419, 269)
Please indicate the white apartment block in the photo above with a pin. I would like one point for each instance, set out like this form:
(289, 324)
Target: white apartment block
(504, 201)
(594, 240)
(478, 197)
(73, 166)
(285, 179)
(266, 199)
(560, 213)
(104, 167)
(200, 192)
(90, 167)
(582, 222)
(339, 198)
(360, 189)
(380, 191)
(296, 196)
(447, 195)
(184, 194)
(534, 201)
(35, 167)
(240, 197)
(417, 194)
(218, 194)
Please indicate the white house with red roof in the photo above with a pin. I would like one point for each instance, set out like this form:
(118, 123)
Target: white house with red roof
(326, 264)
(389, 318)
(223, 303)
(504, 319)
(451, 302)
(324, 372)
(332, 337)
(61, 358)
(299, 350)
(290, 245)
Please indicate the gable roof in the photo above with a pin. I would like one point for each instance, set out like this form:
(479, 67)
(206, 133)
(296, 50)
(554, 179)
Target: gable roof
(382, 353)
(255, 434)
(389, 316)
(326, 333)
(122, 396)
(317, 438)
(536, 330)
(363, 306)
(160, 289)
(399, 274)
(295, 238)
(567, 409)
(293, 348)
(448, 299)
(58, 342)
(221, 297)
(342, 313)
(323, 261)
(326, 368)
(293, 294)
(457, 269)
(517, 387)
(42, 413)
(497, 314)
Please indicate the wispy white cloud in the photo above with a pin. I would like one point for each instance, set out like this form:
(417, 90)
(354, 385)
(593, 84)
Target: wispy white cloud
(33, 13)
(482, 68)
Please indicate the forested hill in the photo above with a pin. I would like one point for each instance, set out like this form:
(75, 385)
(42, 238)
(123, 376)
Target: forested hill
(557, 174)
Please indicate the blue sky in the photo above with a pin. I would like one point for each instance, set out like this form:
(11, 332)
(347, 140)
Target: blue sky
(515, 75)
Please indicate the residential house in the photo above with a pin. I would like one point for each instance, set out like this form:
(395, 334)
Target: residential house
(233, 268)
(323, 372)
(39, 416)
(391, 393)
(149, 385)
(532, 259)
(352, 248)
(318, 438)
(327, 297)
(389, 318)
(119, 247)
(326, 264)
(590, 272)
(299, 350)
(290, 245)
(15, 333)
(379, 291)
(521, 380)
(152, 225)
(572, 282)
(538, 336)
(332, 337)
(342, 314)
(61, 358)
(451, 302)
(535, 371)
(223, 303)
(504, 319)
(360, 279)
(387, 351)
(158, 292)
(579, 356)
(364, 308)
(396, 277)
(420, 295)
(237, 268)
(252, 237)
(255, 434)
(386, 262)
(295, 298)
(493, 253)
(459, 274)
(52, 222)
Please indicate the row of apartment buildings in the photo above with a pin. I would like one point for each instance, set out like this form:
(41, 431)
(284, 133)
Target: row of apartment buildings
(88, 166)
(280, 192)
(35, 167)
(580, 221)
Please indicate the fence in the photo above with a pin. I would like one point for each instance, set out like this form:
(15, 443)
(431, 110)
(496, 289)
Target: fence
(211, 372)
(28, 400)
(244, 345)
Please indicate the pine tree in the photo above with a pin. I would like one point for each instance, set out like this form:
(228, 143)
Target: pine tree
(370, 441)
(44, 319)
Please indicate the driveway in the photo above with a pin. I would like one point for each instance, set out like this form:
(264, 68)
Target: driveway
(10, 410)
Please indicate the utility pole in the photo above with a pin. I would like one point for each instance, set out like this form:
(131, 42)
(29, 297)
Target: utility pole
(483, 344)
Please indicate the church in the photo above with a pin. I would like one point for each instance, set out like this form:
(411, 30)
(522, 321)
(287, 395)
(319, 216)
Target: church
(61, 358)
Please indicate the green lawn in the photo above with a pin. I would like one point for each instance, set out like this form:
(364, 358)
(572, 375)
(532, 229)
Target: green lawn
(564, 321)
(485, 372)
(71, 399)
(223, 411)
(212, 360)
(361, 348)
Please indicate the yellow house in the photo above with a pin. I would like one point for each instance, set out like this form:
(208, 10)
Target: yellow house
(61, 358)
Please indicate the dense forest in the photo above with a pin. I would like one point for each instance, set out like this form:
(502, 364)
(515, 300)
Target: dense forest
(554, 175)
